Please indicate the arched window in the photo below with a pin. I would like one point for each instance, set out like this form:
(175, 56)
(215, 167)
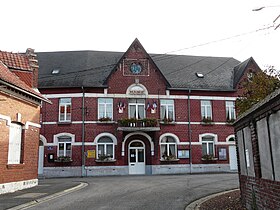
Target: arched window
(64, 146)
(168, 148)
(105, 148)
(208, 146)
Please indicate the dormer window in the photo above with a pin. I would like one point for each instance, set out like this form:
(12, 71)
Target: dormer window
(55, 71)
(199, 75)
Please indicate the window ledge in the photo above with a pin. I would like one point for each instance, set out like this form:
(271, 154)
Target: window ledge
(63, 161)
(167, 123)
(172, 160)
(105, 122)
(207, 123)
(214, 159)
(64, 123)
(105, 161)
(15, 166)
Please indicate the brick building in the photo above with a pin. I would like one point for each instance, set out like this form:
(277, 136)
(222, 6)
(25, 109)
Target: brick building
(257, 133)
(19, 120)
(138, 113)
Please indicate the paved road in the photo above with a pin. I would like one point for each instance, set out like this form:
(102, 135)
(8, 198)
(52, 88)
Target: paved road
(142, 192)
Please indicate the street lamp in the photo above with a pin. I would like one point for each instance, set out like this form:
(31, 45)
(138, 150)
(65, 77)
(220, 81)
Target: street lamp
(258, 9)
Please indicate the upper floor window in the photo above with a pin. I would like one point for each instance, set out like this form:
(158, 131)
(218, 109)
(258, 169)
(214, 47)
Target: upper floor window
(15, 144)
(168, 148)
(230, 110)
(167, 110)
(105, 108)
(206, 110)
(136, 108)
(208, 146)
(105, 148)
(64, 109)
(64, 146)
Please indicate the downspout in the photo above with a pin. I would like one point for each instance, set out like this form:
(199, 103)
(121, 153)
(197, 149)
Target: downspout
(190, 130)
(83, 133)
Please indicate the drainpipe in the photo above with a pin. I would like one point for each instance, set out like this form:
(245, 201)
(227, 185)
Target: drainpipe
(83, 133)
(190, 130)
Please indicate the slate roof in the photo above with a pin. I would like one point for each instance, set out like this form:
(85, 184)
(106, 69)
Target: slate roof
(91, 69)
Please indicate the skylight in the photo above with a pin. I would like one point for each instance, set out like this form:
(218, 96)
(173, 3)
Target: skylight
(199, 75)
(55, 71)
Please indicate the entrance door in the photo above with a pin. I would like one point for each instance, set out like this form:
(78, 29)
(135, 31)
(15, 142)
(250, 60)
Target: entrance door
(232, 158)
(136, 158)
(41, 159)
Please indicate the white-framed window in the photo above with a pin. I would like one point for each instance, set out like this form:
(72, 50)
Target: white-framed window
(64, 109)
(105, 108)
(136, 108)
(168, 148)
(206, 110)
(230, 110)
(208, 147)
(105, 148)
(15, 144)
(167, 110)
(64, 146)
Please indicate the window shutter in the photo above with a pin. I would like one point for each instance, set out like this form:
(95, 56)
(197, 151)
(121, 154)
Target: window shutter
(14, 144)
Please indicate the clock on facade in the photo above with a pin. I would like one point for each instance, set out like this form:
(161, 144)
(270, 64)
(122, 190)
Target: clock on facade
(135, 68)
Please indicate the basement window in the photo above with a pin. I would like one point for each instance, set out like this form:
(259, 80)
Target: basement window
(55, 71)
(199, 75)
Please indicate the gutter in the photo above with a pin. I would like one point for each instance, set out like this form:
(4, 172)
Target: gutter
(26, 92)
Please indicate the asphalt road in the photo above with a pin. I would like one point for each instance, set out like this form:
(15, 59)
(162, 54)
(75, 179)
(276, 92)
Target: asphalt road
(142, 192)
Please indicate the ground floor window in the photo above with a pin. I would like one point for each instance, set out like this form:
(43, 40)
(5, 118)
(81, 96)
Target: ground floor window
(105, 148)
(168, 148)
(64, 146)
(208, 146)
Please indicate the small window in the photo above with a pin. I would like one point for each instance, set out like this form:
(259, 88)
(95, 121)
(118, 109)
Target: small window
(168, 148)
(105, 148)
(230, 110)
(55, 71)
(136, 108)
(199, 75)
(65, 110)
(167, 110)
(64, 146)
(206, 110)
(105, 109)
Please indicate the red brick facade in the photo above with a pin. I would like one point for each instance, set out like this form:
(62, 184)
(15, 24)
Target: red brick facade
(19, 107)
(154, 88)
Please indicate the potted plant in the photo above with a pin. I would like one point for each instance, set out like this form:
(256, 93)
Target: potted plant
(105, 157)
(105, 119)
(230, 121)
(207, 120)
(208, 158)
(167, 120)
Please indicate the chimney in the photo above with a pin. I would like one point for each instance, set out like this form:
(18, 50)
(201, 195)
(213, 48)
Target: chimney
(33, 62)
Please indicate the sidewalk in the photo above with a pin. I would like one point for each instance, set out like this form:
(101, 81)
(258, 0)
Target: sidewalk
(46, 189)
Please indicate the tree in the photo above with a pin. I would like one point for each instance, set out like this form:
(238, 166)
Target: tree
(257, 87)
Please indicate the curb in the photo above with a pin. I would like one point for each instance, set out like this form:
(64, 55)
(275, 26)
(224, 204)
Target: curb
(195, 205)
(49, 197)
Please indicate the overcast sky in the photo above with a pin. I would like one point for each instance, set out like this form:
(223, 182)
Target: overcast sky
(162, 26)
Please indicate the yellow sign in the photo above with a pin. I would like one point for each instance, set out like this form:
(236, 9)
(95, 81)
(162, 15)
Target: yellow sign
(90, 153)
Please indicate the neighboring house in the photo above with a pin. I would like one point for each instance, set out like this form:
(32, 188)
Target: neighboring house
(19, 120)
(116, 113)
(257, 133)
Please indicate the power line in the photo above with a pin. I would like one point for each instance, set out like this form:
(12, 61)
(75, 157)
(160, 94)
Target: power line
(161, 57)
